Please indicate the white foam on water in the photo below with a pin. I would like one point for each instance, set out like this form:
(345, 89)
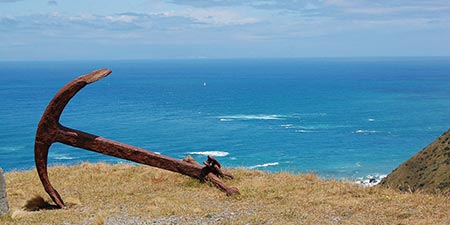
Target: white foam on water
(303, 131)
(225, 120)
(370, 119)
(252, 117)
(364, 131)
(61, 157)
(370, 180)
(263, 165)
(320, 127)
(212, 153)
(313, 114)
(11, 149)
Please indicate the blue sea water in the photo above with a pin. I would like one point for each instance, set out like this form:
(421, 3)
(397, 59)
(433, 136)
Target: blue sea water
(339, 118)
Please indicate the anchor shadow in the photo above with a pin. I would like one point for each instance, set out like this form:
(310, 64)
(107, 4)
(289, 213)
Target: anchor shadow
(37, 203)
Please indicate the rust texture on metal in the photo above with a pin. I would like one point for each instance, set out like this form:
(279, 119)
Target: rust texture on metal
(50, 131)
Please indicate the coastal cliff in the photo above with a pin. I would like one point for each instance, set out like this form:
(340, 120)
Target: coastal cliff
(428, 170)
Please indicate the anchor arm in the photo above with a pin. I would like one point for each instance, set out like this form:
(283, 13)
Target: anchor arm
(49, 126)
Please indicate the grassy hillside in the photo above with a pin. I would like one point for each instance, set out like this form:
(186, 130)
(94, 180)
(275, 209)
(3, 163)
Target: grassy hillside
(428, 170)
(127, 194)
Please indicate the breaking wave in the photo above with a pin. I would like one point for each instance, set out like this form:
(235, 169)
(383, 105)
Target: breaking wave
(252, 117)
(365, 132)
(61, 157)
(212, 153)
(303, 131)
(263, 165)
(370, 180)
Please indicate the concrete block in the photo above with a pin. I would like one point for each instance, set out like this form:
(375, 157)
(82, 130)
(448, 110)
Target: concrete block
(4, 208)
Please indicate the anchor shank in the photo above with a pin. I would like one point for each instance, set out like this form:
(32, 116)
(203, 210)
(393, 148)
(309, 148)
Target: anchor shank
(105, 146)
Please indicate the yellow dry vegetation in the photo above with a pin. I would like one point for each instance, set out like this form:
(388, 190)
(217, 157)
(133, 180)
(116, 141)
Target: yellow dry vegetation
(109, 194)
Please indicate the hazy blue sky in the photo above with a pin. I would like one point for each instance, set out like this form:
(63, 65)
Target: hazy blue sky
(112, 29)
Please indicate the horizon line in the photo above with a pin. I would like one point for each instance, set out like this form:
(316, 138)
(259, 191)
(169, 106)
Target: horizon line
(226, 58)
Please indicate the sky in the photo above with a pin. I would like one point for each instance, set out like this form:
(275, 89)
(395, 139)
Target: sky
(178, 29)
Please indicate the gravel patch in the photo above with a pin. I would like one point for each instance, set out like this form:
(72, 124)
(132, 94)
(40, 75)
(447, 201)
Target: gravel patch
(212, 218)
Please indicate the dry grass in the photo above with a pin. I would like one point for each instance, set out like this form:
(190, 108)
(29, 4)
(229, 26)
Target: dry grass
(101, 193)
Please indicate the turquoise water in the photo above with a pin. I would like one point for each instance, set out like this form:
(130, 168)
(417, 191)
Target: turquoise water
(336, 117)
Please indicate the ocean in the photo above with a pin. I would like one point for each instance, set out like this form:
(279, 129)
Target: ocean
(350, 118)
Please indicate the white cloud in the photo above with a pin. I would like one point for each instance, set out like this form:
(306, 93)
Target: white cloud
(121, 18)
(151, 26)
(216, 17)
(82, 17)
(264, 23)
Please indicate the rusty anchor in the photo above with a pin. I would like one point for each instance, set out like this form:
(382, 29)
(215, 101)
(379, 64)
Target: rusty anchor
(50, 131)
